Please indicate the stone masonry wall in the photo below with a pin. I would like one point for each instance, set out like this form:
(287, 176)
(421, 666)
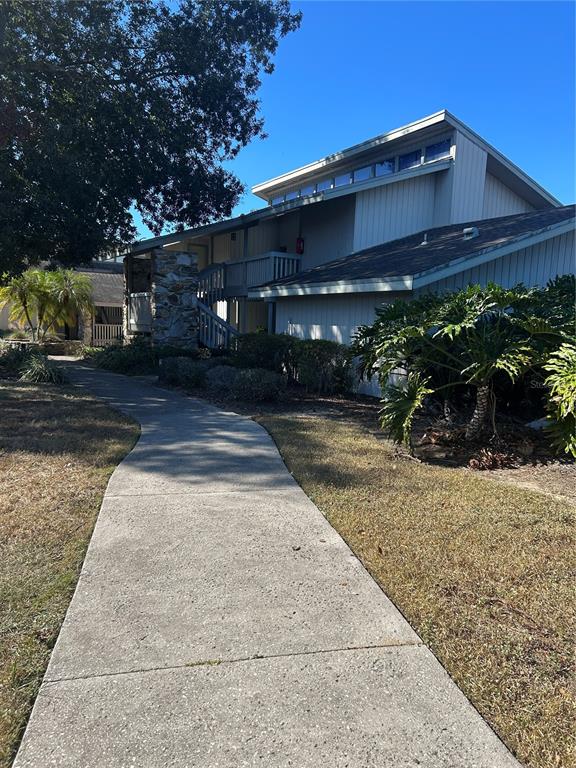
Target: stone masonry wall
(174, 298)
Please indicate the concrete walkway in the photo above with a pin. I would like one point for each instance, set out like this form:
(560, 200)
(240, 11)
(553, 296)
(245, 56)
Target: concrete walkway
(219, 622)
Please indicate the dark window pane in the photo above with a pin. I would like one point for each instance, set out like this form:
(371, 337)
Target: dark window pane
(409, 161)
(291, 195)
(361, 174)
(307, 190)
(384, 168)
(324, 185)
(277, 200)
(438, 150)
(340, 181)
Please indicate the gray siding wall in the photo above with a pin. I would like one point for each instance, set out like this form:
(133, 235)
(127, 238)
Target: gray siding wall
(335, 318)
(393, 211)
(499, 200)
(328, 231)
(531, 266)
(469, 177)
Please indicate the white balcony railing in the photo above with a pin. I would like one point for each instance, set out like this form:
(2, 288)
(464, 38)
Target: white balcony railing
(233, 278)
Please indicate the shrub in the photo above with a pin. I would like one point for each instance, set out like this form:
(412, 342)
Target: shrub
(38, 369)
(19, 335)
(138, 357)
(191, 373)
(168, 370)
(264, 350)
(322, 366)
(220, 380)
(12, 358)
(562, 403)
(257, 385)
(87, 352)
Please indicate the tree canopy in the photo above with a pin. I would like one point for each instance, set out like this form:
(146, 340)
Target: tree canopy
(109, 104)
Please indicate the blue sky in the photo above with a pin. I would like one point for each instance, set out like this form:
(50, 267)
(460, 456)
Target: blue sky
(357, 69)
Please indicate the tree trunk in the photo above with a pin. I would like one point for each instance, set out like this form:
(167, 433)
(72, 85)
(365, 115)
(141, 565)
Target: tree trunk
(479, 421)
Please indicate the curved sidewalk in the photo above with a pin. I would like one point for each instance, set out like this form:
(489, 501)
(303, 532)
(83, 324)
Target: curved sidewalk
(220, 621)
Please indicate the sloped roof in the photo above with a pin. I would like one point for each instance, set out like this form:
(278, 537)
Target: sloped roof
(107, 283)
(409, 257)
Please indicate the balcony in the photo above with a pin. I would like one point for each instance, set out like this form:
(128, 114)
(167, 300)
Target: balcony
(233, 279)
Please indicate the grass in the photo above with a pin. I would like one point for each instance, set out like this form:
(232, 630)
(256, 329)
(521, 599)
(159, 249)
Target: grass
(57, 451)
(483, 571)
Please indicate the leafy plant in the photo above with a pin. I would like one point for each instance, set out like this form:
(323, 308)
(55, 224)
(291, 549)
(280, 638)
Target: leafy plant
(472, 338)
(561, 407)
(221, 379)
(257, 385)
(322, 366)
(136, 358)
(191, 373)
(12, 358)
(399, 405)
(38, 369)
(272, 351)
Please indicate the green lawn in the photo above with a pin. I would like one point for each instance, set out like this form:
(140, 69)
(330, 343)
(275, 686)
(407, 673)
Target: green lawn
(482, 570)
(57, 451)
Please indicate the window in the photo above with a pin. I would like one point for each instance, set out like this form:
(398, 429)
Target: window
(340, 181)
(361, 174)
(325, 184)
(307, 190)
(291, 195)
(277, 200)
(438, 150)
(384, 168)
(410, 160)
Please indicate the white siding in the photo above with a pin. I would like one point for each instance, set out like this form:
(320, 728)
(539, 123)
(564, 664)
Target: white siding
(392, 211)
(531, 266)
(469, 176)
(499, 200)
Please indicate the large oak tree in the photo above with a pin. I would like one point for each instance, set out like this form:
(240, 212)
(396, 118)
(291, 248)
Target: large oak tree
(114, 103)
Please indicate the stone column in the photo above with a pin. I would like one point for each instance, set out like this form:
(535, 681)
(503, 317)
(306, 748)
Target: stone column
(174, 298)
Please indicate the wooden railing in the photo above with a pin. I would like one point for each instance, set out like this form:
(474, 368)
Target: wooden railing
(213, 331)
(233, 279)
(104, 334)
(140, 312)
(211, 284)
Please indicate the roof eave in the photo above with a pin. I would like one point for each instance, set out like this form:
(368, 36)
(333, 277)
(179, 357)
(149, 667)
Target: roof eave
(264, 189)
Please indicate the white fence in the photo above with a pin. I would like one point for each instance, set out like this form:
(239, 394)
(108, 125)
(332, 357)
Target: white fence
(104, 334)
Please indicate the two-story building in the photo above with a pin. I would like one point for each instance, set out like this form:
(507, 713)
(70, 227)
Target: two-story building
(429, 206)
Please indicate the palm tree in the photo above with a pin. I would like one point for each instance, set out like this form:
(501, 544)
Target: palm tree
(44, 300)
(69, 295)
(20, 295)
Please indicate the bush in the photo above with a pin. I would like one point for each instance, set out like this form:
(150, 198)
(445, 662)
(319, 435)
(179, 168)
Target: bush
(12, 357)
(136, 358)
(264, 350)
(38, 369)
(190, 373)
(257, 385)
(562, 403)
(220, 380)
(322, 366)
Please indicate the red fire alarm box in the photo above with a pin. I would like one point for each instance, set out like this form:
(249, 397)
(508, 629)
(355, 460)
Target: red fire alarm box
(299, 246)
